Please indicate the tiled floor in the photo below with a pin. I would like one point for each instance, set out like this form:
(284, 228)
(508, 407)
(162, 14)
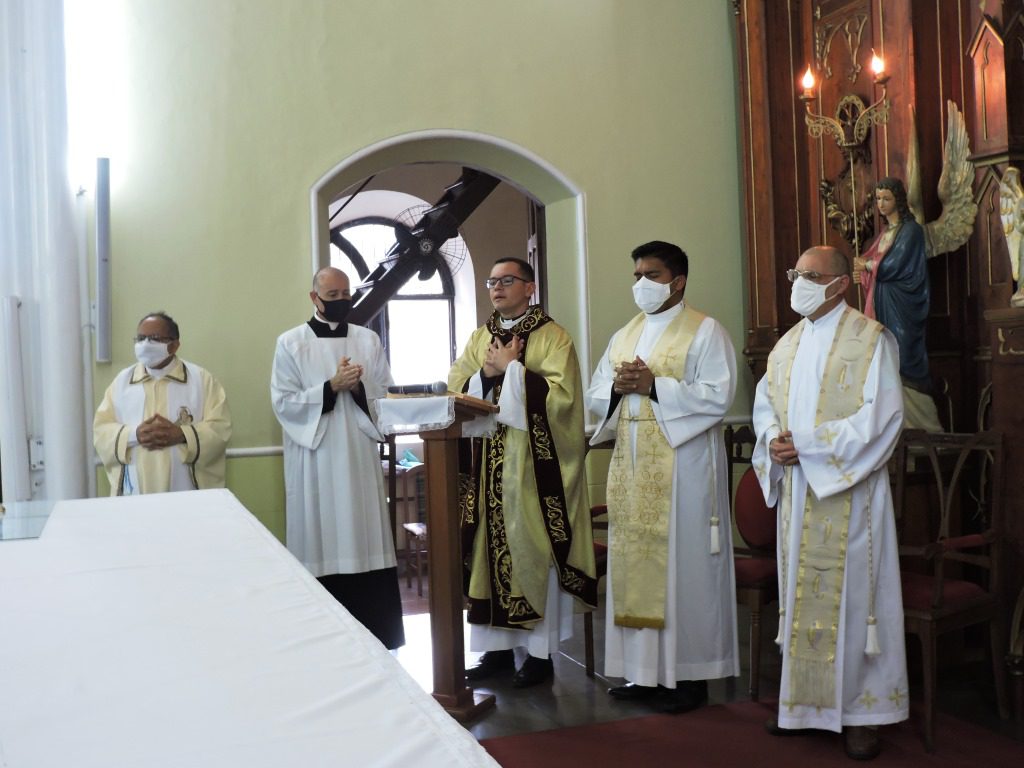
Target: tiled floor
(574, 699)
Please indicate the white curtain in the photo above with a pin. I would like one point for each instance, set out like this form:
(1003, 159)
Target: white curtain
(40, 336)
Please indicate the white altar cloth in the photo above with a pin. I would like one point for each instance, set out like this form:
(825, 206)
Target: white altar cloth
(402, 415)
(175, 630)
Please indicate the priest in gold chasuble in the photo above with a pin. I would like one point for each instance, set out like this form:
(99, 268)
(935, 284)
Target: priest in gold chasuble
(660, 391)
(164, 423)
(828, 414)
(526, 534)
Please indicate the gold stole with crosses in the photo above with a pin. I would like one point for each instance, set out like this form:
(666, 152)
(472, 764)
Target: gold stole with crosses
(814, 630)
(640, 494)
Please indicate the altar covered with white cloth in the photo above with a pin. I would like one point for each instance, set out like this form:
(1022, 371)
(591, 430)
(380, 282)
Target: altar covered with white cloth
(175, 630)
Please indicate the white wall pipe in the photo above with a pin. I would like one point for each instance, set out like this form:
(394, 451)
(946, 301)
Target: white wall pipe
(101, 207)
(88, 404)
(14, 459)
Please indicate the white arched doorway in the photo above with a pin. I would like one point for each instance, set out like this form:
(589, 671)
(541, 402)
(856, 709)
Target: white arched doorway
(562, 200)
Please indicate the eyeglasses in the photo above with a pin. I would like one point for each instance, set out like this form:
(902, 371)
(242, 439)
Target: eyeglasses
(807, 274)
(507, 281)
(158, 339)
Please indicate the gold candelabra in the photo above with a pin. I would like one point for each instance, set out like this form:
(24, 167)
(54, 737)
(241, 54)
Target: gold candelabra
(849, 127)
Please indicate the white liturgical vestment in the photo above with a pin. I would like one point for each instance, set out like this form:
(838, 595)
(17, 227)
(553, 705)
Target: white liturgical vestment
(869, 689)
(337, 519)
(181, 392)
(698, 641)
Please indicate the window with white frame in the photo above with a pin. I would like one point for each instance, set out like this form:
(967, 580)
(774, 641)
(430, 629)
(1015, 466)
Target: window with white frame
(417, 326)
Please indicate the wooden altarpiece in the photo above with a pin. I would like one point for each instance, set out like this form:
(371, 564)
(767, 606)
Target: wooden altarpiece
(797, 189)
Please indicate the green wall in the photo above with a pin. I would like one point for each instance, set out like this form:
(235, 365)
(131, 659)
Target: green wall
(235, 109)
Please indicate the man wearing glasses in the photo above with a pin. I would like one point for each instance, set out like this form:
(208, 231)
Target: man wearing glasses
(526, 533)
(164, 422)
(827, 414)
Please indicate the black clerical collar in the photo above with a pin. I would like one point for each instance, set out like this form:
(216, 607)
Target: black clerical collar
(323, 330)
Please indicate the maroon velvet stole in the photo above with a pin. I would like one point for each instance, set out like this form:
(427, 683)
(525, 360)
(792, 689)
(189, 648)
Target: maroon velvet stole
(480, 485)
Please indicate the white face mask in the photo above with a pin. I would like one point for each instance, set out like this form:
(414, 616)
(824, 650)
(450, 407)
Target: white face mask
(649, 295)
(806, 296)
(151, 353)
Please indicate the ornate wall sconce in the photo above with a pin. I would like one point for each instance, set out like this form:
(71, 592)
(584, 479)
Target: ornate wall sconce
(849, 128)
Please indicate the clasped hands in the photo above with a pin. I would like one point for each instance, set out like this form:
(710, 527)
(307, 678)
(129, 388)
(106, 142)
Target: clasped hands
(782, 450)
(158, 432)
(633, 378)
(347, 377)
(499, 355)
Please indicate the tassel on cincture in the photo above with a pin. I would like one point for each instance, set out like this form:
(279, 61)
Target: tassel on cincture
(715, 546)
(871, 646)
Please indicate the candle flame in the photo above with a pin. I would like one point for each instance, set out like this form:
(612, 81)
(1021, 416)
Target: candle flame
(808, 79)
(877, 65)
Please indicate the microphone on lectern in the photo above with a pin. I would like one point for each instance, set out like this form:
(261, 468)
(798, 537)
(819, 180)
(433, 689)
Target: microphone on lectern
(436, 388)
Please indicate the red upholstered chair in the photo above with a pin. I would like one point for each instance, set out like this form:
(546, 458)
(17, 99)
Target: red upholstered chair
(601, 560)
(756, 572)
(757, 581)
(956, 583)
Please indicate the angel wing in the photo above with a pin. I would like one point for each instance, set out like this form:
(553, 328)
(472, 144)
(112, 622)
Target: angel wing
(914, 197)
(956, 222)
(1011, 211)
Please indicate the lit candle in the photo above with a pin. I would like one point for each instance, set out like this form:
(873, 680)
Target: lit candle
(877, 65)
(808, 83)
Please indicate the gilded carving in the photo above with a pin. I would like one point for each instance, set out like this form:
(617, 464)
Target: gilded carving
(852, 31)
(842, 221)
(1005, 348)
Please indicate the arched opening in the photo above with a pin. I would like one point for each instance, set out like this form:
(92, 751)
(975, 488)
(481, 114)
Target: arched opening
(534, 177)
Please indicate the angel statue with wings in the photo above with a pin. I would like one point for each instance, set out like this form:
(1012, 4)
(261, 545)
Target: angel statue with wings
(894, 268)
(1011, 211)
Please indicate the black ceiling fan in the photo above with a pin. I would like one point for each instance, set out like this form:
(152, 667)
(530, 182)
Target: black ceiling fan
(418, 249)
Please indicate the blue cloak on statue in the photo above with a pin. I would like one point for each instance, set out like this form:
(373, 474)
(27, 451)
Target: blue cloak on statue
(902, 299)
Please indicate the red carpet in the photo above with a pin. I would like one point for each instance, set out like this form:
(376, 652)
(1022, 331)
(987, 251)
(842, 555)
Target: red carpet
(730, 735)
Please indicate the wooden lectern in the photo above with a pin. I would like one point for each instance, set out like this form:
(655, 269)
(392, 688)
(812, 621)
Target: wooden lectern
(445, 564)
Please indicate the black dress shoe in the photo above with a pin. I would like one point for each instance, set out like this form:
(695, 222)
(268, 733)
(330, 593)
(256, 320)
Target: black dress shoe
(533, 672)
(861, 742)
(687, 696)
(634, 692)
(491, 663)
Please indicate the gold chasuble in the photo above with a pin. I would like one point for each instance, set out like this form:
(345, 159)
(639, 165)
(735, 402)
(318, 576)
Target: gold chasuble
(640, 494)
(814, 629)
(523, 493)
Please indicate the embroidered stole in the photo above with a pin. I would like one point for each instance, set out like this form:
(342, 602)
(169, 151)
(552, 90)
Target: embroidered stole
(482, 500)
(814, 630)
(640, 494)
(179, 398)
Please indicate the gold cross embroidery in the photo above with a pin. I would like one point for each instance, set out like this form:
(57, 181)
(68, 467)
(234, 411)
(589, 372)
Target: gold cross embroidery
(828, 436)
(868, 699)
(897, 696)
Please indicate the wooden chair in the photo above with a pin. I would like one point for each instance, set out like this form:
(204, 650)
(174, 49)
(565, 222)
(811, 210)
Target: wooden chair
(757, 578)
(416, 554)
(601, 560)
(959, 585)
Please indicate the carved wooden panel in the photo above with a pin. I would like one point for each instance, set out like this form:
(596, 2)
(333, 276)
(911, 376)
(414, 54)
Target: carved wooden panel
(995, 280)
(774, 164)
(986, 54)
(1013, 54)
